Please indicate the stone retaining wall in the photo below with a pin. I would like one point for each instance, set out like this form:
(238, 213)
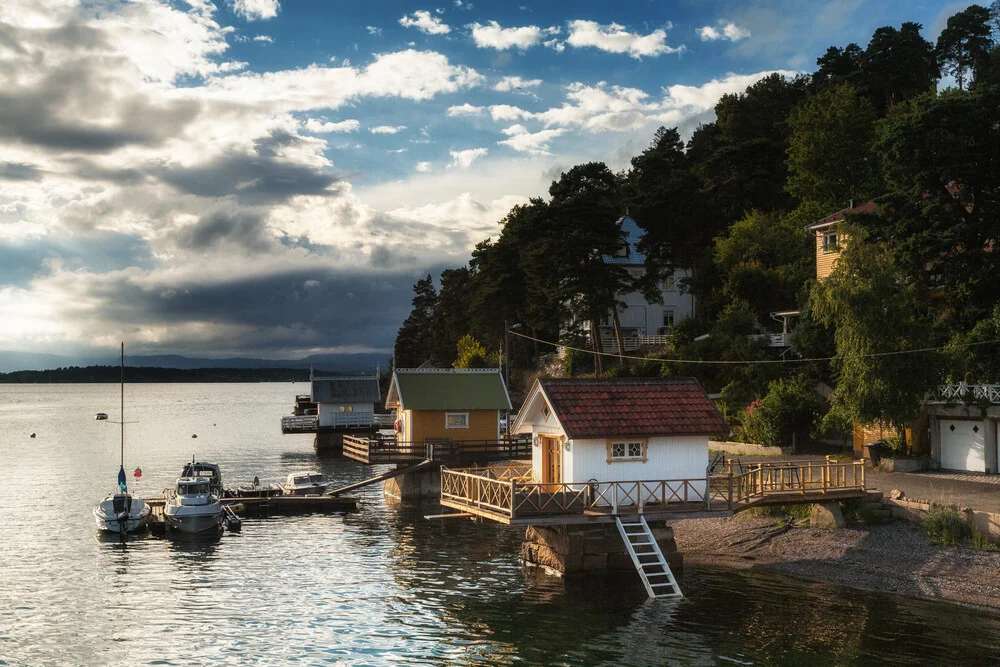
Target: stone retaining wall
(909, 509)
(580, 549)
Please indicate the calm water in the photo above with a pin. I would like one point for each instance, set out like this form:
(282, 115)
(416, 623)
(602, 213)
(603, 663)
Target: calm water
(376, 587)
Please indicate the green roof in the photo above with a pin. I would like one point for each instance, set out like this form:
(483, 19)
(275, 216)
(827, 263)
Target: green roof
(446, 389)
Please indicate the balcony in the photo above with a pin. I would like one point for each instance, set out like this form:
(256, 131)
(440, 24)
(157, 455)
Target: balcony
(970, 393)
(387, 449)
(338, 421)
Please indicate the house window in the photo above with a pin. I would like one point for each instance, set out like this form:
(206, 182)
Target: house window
(626, 450)
(456, 420)
(670, 283)
(347, 408)
(668, 318)
(830, 242)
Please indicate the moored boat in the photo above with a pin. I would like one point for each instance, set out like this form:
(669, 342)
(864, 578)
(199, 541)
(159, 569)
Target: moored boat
(193, 508)
(308, 483)
(101, 416)
(120, 512)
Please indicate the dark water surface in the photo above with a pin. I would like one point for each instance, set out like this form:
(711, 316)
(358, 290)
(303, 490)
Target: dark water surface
(377, 587)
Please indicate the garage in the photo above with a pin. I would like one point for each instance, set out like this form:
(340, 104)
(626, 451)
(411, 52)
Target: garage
(963, 445)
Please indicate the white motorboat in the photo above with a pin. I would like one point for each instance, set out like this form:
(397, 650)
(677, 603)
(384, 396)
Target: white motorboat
(121, 512)
(305, 484)
(192, 507)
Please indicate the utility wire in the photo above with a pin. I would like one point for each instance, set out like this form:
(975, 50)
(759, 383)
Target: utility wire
(751, 362)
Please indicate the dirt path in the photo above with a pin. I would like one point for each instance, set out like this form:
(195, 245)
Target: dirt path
(895, 558)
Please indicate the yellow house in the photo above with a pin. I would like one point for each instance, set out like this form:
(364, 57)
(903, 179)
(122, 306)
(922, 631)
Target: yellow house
(447, 404)
(830, 240)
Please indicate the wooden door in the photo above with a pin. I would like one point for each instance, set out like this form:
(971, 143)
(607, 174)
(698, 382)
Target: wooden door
(551, 461)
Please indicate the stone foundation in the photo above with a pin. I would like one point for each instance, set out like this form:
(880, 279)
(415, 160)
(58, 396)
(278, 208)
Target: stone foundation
(418, 485)
(579, 549)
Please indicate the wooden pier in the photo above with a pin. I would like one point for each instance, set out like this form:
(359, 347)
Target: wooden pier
(507, 494)
(267, 506)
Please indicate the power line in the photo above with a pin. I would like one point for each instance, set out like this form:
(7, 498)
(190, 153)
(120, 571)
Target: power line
(751, 362)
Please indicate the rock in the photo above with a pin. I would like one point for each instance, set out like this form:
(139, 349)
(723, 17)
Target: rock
(896, 494)
(826, 515)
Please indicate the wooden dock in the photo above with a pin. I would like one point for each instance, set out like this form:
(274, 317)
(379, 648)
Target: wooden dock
(264, 506)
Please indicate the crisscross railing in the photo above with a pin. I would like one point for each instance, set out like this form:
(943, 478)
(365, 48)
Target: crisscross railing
(989, 393)
(509, 492)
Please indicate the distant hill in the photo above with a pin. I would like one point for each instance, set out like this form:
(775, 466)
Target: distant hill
(27, 361)
(139, 374)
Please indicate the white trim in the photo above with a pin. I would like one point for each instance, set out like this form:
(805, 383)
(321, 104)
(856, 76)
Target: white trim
(449, 414)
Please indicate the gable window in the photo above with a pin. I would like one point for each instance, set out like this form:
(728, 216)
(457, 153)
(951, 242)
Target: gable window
(347, 408)
(456, 420)
(670, 283)
(830, 242)
(626, 450)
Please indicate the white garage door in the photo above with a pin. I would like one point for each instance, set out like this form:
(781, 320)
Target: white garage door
(963, 445)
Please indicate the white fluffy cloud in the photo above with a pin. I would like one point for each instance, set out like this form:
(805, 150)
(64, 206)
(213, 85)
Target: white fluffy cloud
(494, 36)
(465, 110)
(256, 10)
(727, 31)
(323, 127)
(534, 143)
(387, 129)
(425, 22)
(264, 38)
(423, 167)
(614, 38)
(509, 83)
(464, 159)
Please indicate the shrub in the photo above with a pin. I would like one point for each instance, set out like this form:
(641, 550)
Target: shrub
(790, 408)
(944, 525)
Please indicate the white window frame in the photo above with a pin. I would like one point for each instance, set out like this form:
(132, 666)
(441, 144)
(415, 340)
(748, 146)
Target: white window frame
(829, 247)
(639, 453)
(449, 415)
(673, 318)
(670, 283)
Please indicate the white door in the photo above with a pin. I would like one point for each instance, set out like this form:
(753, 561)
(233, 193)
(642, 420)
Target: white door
(963, 445)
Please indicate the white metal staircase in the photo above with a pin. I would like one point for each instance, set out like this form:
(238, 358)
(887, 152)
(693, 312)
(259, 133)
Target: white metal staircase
(648, 559)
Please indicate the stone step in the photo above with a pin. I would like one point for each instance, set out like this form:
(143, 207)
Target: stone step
(874, 496)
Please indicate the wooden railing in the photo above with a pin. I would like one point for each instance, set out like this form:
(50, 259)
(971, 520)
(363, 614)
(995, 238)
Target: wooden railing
(304, 424)
(989, 393)
(633, 342)
(457, 452)
(508, 492)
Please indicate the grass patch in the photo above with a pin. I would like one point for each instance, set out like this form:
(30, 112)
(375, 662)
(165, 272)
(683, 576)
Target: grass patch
(982, 542)
(944, 525)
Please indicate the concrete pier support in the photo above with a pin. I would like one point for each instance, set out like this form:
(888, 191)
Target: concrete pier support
(328, 443)
(418, 485)
(588, 548)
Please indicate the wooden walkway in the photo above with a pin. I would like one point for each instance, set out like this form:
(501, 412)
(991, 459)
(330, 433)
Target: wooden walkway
(507, 494)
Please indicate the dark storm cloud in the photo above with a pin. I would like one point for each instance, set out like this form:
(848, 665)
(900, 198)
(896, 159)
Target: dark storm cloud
(19, 171)
(54, 112)
(319, 308)
(259, 178)
(242, 228)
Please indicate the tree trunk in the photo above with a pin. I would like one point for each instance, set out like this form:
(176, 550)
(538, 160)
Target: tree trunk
(618, 334)
(596, 344)
(901, 431)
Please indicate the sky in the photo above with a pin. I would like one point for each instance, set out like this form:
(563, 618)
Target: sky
(268, 178)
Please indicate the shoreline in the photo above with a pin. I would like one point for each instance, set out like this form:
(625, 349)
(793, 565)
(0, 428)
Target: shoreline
(895, 557)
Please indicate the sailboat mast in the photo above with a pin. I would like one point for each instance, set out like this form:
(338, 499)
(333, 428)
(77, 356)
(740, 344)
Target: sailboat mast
(123, 405)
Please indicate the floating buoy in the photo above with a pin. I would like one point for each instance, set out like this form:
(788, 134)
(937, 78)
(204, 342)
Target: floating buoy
(213, 424)
(32, 435)
(194, 435)
(137, 473)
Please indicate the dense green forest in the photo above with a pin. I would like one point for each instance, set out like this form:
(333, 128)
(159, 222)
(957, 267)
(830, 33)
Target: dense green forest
(922, 270)
(152, 374)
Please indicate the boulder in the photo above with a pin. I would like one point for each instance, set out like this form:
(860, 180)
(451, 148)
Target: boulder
(826, 515)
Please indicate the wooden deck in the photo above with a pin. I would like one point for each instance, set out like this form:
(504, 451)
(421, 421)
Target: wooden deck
(261, 506)
(346, 423)
(508, 494)
(458, 452)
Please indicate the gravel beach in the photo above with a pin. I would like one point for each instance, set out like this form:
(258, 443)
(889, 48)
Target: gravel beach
(895, 557)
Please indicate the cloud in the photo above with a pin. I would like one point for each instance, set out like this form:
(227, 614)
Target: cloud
(494, 36)
(256, 10)
(263, 38)
(465, 110)
(727, 31)
(534, 143)
(509, 83)
(423, 21)
(506, 112)
(464, 159)
(373, 30)
(613, 38)
(386, 129)
(320, 127)
(423, 167)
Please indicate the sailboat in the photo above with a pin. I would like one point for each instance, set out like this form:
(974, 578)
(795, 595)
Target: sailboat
(120, 512)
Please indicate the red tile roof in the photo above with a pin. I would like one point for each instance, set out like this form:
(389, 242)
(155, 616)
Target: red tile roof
(647, 407)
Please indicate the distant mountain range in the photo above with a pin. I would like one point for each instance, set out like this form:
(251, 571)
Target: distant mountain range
(27, 361)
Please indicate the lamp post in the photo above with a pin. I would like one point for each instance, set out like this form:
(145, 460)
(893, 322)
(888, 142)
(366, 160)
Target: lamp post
(506, 363)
